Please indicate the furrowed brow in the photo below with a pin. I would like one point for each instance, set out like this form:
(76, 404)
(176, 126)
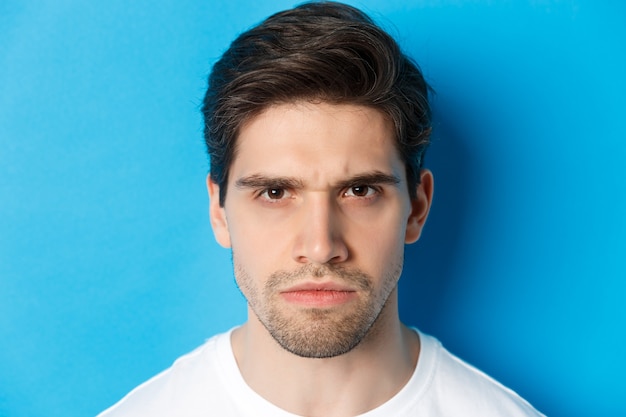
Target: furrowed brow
(263, 181)
(370, 178)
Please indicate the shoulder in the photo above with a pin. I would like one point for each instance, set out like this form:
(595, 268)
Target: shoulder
(187, 386)
(465, 390)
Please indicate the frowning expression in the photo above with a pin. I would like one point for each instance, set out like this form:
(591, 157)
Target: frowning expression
(317, 213)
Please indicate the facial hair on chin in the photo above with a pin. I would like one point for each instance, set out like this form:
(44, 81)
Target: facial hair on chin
(315, 332)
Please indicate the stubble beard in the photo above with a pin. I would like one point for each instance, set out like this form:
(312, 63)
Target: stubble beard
(318, 332)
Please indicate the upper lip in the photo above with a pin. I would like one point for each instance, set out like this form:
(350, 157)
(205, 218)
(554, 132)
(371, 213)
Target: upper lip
(318, 286)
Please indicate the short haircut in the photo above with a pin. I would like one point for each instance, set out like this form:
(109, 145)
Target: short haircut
(320, 52)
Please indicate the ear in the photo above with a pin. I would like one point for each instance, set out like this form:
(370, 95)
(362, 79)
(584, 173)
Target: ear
(420, 207)
(217, 213)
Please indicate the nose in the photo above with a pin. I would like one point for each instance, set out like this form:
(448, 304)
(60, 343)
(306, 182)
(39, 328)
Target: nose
(320, 237)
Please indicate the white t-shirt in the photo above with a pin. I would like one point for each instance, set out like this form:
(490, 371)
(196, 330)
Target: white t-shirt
(207, 382)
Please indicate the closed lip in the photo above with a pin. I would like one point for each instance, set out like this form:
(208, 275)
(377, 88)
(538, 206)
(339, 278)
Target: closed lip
(319, 286)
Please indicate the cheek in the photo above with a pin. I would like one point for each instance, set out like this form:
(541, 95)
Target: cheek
(380, 245)
(386, 249)
(247, 251)
(248, 221)
(385, 226)
(255, 244)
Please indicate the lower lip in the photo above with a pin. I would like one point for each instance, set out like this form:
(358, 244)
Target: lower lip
(318, 298)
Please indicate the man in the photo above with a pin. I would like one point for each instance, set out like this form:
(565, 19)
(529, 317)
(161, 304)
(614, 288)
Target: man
(316, 125)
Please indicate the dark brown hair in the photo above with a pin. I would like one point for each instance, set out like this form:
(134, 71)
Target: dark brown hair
(320, 51)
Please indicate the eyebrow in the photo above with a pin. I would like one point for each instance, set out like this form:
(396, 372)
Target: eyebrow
(264, 181)
(369, 178)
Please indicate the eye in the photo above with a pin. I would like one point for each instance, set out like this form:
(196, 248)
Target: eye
(360, 191)
(274, 194)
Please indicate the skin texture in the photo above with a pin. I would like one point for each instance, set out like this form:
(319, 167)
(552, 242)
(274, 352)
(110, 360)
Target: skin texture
(317, 214)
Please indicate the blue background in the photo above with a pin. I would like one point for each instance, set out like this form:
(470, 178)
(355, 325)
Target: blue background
(108, 266)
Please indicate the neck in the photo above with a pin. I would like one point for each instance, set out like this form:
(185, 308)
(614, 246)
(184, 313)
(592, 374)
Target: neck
(345, 385)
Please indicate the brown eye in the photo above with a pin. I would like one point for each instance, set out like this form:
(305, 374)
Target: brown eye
(360, 191)
(274, 194)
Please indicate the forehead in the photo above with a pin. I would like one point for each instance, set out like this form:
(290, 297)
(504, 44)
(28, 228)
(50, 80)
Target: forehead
(312, 138)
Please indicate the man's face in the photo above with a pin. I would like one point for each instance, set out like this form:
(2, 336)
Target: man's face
(317, 214)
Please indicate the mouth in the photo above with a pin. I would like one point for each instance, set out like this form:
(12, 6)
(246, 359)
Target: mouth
(318, 295)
